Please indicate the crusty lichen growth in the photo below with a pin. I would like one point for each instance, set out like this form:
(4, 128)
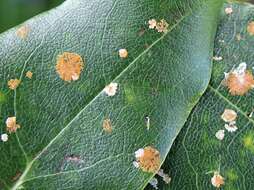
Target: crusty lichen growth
(11, 125)
(29, 74)
(22, 32)
(13, 83)
(148, 159)
(107, 125)
(69, 66)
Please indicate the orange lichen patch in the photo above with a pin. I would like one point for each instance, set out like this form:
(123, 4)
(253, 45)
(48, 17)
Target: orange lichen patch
(13, 83)
(148, 159)
(69, 66)
(229, 115)
(29, 74)
(162, 26)
(22, 32)
(239, 81)
(250, 28)
(123, 53)
(11, 124)
(107, 125)
(217, 180)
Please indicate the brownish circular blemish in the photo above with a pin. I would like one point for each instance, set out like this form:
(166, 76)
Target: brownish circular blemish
(250, 28)
(22, 32)
(69, 66)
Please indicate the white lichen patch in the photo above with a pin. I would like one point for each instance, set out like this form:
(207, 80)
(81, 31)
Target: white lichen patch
(111, 89)
(69, 66)
(13, 83)
(166, 178)
(229, 115)
(107, 125)
(29, 74)
(220, 134)
(147, 120)
(217, 180)
(231, 127)
(11, 125)
(148, 159)
(4, 137)
(228, 10)
(123, 53)
(154, 183)
(152, 23)
(217, 58)
(22, 31)
(250, 28)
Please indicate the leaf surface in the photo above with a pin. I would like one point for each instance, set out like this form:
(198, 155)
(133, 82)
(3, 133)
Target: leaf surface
(197, 152)
(61, 143)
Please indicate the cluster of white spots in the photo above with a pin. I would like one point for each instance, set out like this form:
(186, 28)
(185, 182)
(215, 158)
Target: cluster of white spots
(220, 134)
(217, 180)
(111, 89)
(228, 10)
(166, 178)
(161, 26)
(229, 116)
(154, 183)
(123, 53)
(4, 137)
(217, 58)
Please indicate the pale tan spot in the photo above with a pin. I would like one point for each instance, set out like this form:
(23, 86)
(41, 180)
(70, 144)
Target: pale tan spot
(107, 125)
(123, 53)
(229, 115)
(22, 32)
(69, 66)
(13, 83)
(238, 37)
(111, 89)
(217, 180)
(239, 81)
(152, 23)
(11, 125)
(166, 178)
(162, 26)
(148, 159)
(29, 74)
(250, 28)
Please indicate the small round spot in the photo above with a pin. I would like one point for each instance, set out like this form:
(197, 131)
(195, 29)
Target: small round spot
(11, 124)
(22, 32)
(107, 125)
(69, 66)
(111, 89)
(217, 180)
(123, 53)
(29, 74)
(229, 115)
(4, 137)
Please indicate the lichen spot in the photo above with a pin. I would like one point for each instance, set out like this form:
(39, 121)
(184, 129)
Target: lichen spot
(239, 81)
(229, 115)
(147, 159)
(123, 53)
(162, 26)
(217, 180)
(220, 134)
(22, 32)
(107, 125)
(228, 10)
(4, 137)
(69, 66)
(11, 125)
(152, 23)
(250, 28)
(13, 83)
(29, 74)
(111, 89)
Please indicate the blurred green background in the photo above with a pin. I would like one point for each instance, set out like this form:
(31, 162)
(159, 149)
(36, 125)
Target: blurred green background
(14, 12)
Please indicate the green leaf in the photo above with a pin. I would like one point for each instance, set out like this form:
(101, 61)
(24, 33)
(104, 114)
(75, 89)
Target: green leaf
(196, 150)
(61, 143)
